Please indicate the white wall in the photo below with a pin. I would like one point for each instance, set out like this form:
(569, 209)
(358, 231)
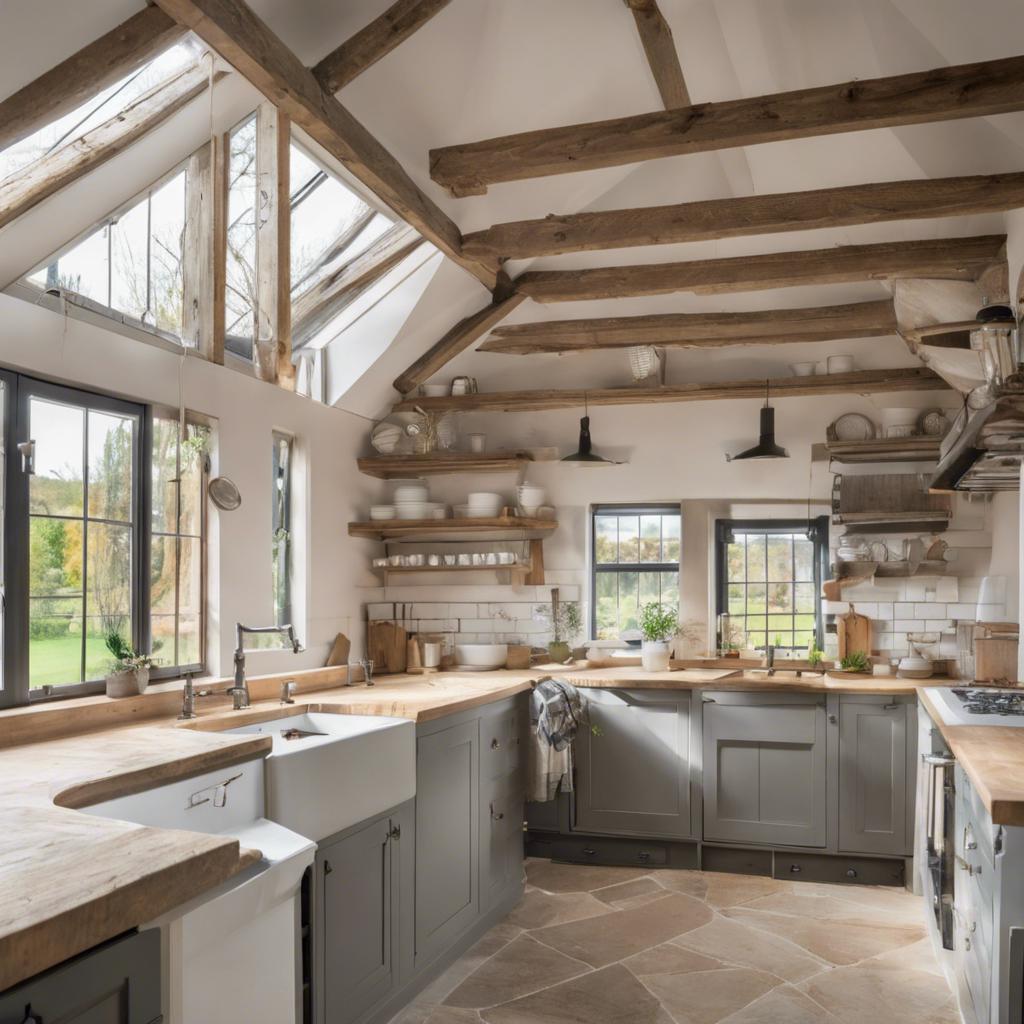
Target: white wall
(330, 566)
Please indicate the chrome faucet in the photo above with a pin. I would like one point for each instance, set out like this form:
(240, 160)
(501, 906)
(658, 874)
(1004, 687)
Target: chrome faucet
(189, 694)
(240, 691)
(769, 658)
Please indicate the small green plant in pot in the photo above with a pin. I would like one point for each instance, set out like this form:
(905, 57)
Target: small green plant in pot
(129, 674)
(566, 622)
(659, 624)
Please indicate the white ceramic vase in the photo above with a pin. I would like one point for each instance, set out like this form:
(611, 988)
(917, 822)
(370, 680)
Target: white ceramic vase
(127, 684)
(654, 655)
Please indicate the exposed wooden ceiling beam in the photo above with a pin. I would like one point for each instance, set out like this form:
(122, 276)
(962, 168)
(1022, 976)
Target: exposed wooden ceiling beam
(967, 90)
(660, 47)
(315, 307)
(698, 330)
(377, 40)
(84, 74)
(457, 340)
(50, 173)
(863, 382)
(748, 215)
(232, 29)
(951, 258)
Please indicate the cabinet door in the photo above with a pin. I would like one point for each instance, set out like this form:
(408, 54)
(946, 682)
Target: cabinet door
(765, 769)
(873, 776)
(633, 763)
(118, 983)
(501, 838)
(447, 836)
(358, 926)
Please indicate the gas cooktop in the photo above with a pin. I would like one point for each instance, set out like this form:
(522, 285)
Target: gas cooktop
(991, 702)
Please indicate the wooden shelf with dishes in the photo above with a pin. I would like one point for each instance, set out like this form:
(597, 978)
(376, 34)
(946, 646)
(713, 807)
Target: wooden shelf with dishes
(522, 574)
(398, 467)
(887, 449)
(483, 529)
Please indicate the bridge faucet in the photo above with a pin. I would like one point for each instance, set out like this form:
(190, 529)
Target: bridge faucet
(240, 691)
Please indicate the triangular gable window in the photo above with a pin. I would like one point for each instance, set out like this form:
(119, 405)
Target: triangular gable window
(130, 267)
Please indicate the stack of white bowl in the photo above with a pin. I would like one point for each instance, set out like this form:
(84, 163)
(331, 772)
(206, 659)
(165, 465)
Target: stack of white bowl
(382, 512)
(484, 505)
(411, 501)
(530, 499)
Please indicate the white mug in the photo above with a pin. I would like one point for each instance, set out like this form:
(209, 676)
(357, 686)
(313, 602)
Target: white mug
(431, 655)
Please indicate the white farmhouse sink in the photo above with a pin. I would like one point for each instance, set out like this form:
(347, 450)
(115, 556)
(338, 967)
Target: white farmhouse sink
(327, 772)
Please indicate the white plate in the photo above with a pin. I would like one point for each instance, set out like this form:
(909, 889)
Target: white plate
(853, 427)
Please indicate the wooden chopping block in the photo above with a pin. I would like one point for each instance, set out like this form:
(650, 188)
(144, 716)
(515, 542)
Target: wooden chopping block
(340, 651)
(854, 633)
(995, 659)
(387, 646)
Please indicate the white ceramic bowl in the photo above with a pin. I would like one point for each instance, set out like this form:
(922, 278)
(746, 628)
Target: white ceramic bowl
(530, 497)
(412, 511)
(409, 493)
(481, 657)
(382, 512)
(804, 369)
(483, 498)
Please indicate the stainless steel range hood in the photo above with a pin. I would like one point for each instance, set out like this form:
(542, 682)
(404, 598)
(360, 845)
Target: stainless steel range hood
(983, 451)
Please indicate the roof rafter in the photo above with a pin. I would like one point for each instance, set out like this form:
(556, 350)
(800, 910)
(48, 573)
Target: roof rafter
(376, 40)
(81, 76)
(656, 39)
(967, 90)
(748, 215)
(67, 164)
(698, 330)
(232, 29)
(952, 258)
(916, 378)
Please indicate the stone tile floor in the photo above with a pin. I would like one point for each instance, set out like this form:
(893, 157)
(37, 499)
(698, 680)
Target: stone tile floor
(602, 945)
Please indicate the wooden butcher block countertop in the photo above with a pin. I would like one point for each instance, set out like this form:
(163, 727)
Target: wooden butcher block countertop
(992, 756)
(69, 880)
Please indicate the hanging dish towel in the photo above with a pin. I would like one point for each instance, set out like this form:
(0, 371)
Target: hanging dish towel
(555, 713)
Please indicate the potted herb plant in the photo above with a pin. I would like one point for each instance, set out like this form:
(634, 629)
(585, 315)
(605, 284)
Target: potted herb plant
(130, 673)
(565, 621)
(658, 624)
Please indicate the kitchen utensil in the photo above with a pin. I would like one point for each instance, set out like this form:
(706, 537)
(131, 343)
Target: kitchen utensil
(854, 633)
(477, 442)
(386, 645)
(224, 494)
(385, 437)
(852, 426)
(808, 369)
(339, 651)
(481, 657)
(840, 364)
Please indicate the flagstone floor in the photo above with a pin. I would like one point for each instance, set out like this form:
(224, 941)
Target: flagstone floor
(601, 945)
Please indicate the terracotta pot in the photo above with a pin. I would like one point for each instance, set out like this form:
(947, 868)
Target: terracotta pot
(129, 683)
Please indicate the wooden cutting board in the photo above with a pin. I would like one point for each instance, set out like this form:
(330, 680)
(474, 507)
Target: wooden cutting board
(854, 633)
(387, 646)
(340, 651)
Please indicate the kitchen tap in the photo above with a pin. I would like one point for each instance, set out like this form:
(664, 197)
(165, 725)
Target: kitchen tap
(189, 695)
(769, 658)
(240, 691)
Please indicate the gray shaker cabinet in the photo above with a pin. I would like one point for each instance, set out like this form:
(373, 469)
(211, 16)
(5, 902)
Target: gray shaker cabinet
(117, 983)
(874, 779)
(633, 763)
(765, 768)
(447, 836)
(359, 911)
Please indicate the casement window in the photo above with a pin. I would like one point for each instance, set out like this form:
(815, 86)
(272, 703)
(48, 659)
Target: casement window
(281, 525)
(635, 561)
(86, 480)
(769, 576)
(130, 267)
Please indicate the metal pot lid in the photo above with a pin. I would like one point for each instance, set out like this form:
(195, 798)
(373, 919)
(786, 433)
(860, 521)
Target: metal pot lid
(224, 494)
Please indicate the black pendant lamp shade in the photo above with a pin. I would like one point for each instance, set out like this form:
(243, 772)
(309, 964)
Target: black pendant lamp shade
(584, 452)
(766, 448)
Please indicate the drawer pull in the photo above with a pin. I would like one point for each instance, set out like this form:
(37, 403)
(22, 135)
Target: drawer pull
(794, 869)
(833, 719)
(496, 816)
(495, 743)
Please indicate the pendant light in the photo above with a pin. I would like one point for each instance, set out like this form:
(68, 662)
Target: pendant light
(584, 456)
(766, 448)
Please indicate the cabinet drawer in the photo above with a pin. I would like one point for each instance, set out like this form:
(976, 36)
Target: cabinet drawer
(500, 743)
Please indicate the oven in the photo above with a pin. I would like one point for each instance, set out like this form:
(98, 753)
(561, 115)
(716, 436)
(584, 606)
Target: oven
(939, 825)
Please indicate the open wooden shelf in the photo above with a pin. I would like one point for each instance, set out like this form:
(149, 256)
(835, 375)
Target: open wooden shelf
(390, 467)
(918, 521)
(416, 530)
(887, 449)
(513, 573)
(889, 570)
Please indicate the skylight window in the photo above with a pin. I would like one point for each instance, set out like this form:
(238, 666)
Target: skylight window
(131, 266)
(99, 108)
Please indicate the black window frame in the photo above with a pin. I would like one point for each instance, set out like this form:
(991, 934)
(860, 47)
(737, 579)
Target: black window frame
(652, 508)
(19, 388)
(815, 529)
(281, 521)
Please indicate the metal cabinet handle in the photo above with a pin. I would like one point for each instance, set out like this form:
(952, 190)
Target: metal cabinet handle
(708, 700)
(495, 743)
(327, 867)
(939, 760)
(496, 817)
(970, 843)
(889, 707)
(395, 832)
(833, 719)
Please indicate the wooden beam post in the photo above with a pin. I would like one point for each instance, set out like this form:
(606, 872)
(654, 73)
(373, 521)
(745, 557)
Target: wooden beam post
(203, 271)
(86, 73)
(660, 47)
(376, 40)
(748, 215)
(941, 94)
(457, 340)
(859, 382)
(272, 350)
(232, 29)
